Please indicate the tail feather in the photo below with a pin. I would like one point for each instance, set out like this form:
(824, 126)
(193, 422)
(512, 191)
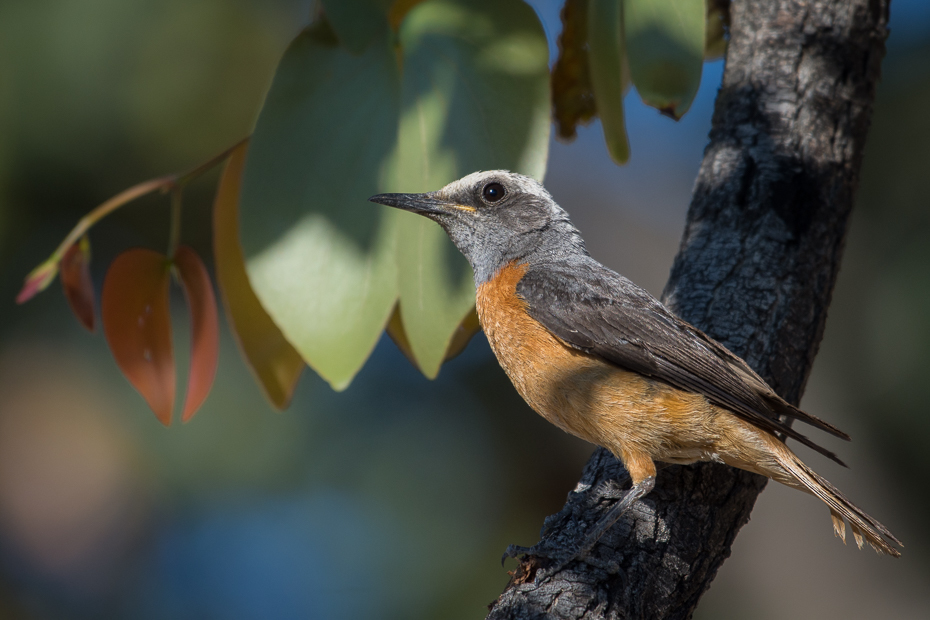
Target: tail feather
(864, 528)
(839, 526)
(782, 407)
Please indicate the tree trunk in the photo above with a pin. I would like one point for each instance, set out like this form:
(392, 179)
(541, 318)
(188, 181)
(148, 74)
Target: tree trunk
(756, 269)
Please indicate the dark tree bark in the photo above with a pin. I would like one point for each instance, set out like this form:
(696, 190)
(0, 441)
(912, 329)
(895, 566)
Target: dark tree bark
(755, 270)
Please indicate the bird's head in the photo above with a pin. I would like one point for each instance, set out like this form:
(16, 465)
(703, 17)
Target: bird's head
(494, 218)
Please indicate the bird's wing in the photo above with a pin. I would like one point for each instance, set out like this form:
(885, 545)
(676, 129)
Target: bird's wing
(605, 314)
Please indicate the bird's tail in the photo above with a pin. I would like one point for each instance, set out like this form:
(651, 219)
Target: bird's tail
(864, 528)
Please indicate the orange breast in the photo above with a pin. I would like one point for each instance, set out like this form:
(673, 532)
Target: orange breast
(585, 395)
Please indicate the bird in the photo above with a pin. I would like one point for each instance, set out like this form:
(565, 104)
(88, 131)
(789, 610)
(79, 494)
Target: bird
(602, 359)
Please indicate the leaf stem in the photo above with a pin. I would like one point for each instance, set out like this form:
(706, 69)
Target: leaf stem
(39, 278)
(187, 177)
(165, 183)
(174, 235)
(127, 195)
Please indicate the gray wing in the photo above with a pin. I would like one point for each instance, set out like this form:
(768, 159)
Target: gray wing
(605, 314)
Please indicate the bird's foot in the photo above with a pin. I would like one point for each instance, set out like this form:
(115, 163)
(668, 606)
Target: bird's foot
(542, 549)
(627, 499)
(558, 557)
(548, 557)
(551, 558)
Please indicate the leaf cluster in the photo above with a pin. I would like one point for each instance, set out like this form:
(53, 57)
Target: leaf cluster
(375, 96)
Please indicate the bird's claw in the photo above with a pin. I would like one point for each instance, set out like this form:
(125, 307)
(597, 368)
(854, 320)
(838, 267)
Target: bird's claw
(556, 557)
(539, 550)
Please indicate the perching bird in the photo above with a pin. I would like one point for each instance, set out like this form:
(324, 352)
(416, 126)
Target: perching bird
(604, 360)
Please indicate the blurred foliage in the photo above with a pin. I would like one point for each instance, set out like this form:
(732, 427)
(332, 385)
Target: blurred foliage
(572, 97)
(274, 362)
(718, 23)
(238, 514)
(665, 42)
(159, 95)
(399, 505)
(77, 284)
(462, 87)
(415, 94)
(136, 313)
(606, 60)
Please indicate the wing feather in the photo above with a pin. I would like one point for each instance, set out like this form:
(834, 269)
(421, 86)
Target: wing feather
(609, 316)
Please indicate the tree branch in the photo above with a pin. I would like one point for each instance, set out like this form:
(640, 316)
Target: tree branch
(756, 269)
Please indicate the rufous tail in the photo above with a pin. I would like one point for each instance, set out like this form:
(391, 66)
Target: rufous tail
(864, 527)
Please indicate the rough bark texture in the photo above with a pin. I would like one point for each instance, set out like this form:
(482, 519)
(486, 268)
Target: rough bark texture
(756, 269)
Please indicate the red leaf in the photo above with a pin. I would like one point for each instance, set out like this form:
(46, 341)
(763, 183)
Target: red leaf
(205, 331)
(137, 324)
(76, 282)
(272, 359)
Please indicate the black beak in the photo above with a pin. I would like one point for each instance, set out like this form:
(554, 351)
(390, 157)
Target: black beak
(424, 204)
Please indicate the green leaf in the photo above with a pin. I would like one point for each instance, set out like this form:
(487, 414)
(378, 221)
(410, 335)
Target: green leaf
(665, 48)
(337, 128)
(463, 334)
(357, 23)
(272, 359)
(475, 97)
(605, 59)
(319, 256)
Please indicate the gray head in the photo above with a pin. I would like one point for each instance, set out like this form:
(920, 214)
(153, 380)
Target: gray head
(495, 218)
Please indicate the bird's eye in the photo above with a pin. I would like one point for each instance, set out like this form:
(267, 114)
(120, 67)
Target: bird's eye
(493, 192)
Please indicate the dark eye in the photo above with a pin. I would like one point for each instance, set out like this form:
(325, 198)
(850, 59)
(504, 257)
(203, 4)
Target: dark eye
(493, 192)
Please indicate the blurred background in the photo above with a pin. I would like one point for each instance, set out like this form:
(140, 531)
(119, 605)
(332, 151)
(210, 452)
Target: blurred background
(395, 498)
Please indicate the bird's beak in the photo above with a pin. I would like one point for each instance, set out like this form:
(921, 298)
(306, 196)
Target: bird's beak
(424, 204)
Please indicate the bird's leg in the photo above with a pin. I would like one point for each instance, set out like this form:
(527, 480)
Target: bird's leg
(642, 472)
(636, 492)
(607, 489)
(540, 549)
(594, 533)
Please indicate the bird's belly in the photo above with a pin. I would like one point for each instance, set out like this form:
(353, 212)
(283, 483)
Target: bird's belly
(589, 397)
